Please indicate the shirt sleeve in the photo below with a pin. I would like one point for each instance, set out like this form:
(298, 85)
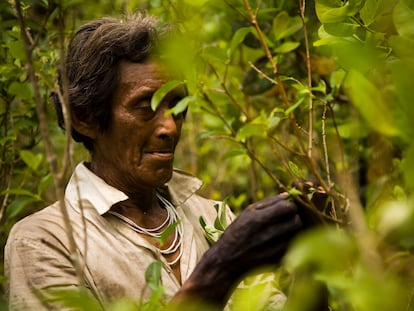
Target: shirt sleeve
(38, 268)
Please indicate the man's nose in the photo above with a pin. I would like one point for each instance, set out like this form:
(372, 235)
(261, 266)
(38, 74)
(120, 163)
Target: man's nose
(167, 123)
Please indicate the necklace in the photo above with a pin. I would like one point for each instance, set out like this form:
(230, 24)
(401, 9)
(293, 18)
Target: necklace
(171, 219)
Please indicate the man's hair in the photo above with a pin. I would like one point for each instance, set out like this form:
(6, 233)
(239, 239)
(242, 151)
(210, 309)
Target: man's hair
(92, 66)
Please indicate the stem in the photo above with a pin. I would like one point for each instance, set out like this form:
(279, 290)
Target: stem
(325, 147)
(269, 56)
(309, 77)
(51, 155)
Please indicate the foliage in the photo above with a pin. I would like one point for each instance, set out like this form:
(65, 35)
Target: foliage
(279, 91)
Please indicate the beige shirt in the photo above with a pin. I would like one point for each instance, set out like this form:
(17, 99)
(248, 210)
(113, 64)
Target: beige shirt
(113, 257)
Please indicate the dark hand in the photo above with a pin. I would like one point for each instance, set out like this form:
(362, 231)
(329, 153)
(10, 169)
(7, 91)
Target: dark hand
(316, 209)
(259, 236)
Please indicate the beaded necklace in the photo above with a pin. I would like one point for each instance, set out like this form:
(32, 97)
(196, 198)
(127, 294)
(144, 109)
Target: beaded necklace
(171, 219)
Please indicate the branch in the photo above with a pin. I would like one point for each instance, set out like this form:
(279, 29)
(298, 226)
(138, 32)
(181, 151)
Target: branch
(309, 77)
(51, 155)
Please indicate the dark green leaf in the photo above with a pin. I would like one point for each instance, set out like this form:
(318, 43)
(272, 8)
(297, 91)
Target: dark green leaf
(153, 275)
(21, 90)
(16, 207)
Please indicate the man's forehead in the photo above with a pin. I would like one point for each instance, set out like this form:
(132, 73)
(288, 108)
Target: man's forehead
(130, 72)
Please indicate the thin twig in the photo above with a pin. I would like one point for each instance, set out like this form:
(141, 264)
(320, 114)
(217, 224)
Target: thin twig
(269, 56)
(51, 155)
(325, 146)
(309, 77)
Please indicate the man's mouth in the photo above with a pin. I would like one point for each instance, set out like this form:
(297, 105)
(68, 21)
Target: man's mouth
(164, 154)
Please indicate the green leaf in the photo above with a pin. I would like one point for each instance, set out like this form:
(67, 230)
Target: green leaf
(237, 39)
(16, 49)
(4, 140)
(17, 206)
(285, 25)
(403, 47)
(21, 90)
(287, 47)
(153, 275)
(167, 232)
(32, 160)
(45, 182)
(367, 98)
(251, 129)
(369, 12)
(234, 153)
(310, 250)
(403, 16)
(343, 29)
(182, 105)
(299, 173)
(295, 105)
(20, 191)
(336, 11)
(163, 91)
(220, 222)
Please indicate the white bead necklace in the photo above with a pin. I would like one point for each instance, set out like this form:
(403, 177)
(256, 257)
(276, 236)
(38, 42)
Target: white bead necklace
(171, 219)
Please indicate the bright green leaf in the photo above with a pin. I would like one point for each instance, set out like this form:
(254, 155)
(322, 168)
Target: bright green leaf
(343, 29)
(182, 105)
(234, 153)
(32, 160)
(286, 47)
(367, 98)
(295, 105)
(238, 38)
(335, 11)
(369, 11)
(403, 16)
(310, 250)
(280, 24)
(296, 170)
(16, 49)
(251, 129)
(163, 91)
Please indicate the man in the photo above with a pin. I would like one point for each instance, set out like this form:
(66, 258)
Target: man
(121, 201)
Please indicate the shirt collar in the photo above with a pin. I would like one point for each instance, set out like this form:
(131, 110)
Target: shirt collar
(87, 189)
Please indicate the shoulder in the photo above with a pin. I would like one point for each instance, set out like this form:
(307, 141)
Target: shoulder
(46, 222)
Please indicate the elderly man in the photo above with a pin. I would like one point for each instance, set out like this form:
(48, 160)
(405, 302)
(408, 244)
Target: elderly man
(121, 201)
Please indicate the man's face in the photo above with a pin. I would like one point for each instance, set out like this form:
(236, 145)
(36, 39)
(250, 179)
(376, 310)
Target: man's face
(137, 150)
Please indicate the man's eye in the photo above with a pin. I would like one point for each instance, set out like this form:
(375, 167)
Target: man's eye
(144, 105)
(174, 101)
(143, 109)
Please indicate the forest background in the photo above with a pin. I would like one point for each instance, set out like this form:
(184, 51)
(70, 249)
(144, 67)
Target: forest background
(280, 91)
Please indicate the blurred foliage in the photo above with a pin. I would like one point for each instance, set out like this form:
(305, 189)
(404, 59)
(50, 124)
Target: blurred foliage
(279, 91)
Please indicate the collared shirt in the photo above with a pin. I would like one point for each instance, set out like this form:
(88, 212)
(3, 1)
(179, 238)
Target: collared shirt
(113, 257)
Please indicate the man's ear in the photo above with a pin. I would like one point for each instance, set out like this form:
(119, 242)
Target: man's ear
(85, 127)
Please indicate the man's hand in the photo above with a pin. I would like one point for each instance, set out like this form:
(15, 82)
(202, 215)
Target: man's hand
(258, 237)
